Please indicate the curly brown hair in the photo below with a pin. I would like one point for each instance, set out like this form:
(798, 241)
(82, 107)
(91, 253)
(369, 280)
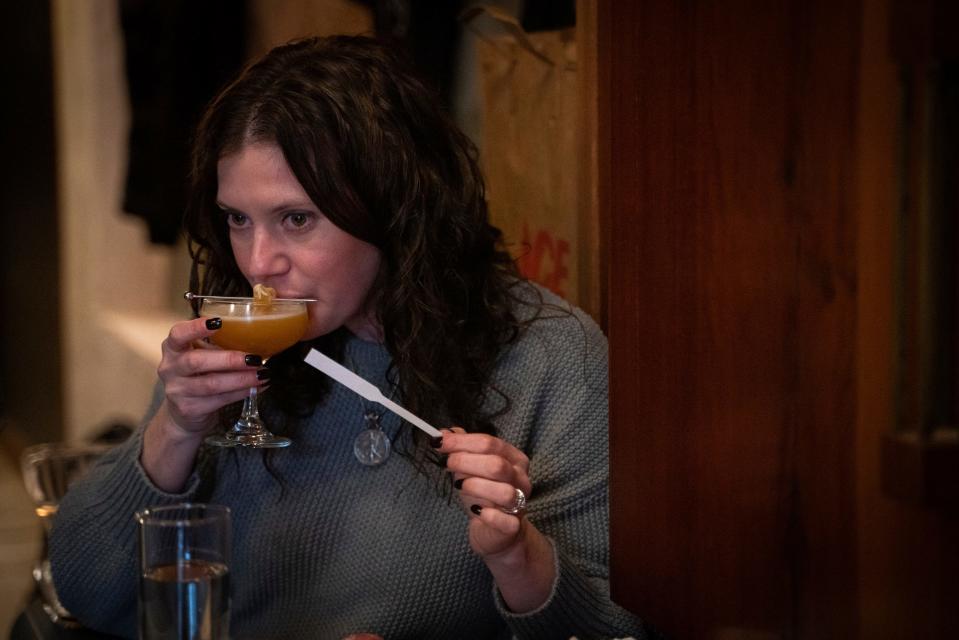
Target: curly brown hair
(373, 148)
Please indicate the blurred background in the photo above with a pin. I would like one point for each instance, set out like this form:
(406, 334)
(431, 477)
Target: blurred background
(757, 201)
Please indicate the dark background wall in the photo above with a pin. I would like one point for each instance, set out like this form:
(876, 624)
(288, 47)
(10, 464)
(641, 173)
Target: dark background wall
(29, 259)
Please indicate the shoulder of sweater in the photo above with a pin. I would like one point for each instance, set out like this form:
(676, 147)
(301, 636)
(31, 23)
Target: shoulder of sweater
(545, 312)
(556, 334)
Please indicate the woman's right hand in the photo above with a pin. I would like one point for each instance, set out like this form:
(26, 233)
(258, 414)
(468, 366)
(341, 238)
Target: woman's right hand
(198, 379)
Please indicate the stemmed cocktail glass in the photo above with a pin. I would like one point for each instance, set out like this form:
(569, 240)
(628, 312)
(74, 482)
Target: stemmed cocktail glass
(48, 471)
(259, 327)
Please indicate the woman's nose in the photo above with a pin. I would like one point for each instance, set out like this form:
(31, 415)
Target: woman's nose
(266, 258)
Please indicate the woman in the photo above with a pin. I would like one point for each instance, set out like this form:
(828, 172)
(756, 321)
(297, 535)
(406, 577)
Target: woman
(327, 171)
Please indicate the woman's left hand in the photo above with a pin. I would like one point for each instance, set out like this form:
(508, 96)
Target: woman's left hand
(487, 471)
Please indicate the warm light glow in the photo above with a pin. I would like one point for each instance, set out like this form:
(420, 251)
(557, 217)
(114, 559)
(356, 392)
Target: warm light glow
(46, 510)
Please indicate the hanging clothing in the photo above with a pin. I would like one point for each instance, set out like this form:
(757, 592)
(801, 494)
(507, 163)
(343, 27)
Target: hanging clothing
(178, 54)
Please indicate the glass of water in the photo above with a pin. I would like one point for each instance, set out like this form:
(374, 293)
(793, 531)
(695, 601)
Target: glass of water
(184, 591)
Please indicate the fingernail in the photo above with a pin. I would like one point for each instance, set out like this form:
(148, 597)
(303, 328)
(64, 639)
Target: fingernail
(436, 442)
(443, 459)
(253, 361)
(263, 374)
(476, 509)
(214, 323)
(458, 484)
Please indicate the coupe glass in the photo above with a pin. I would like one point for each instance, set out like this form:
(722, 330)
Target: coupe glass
(261, 329)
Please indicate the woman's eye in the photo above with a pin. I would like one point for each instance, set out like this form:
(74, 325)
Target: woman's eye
(298, 219)
(235, 219)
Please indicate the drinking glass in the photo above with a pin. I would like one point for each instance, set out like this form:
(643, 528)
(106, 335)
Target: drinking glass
(258, 328)
(184, 587)
(48, 471)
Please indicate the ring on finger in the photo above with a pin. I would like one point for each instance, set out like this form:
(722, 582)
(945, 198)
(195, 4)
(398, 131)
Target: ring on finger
(519, 503)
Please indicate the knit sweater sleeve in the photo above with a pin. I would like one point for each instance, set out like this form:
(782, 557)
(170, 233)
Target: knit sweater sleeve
(563, 410)
(93, 543)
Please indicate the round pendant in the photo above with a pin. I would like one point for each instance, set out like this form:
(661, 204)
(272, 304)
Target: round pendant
(371, 447)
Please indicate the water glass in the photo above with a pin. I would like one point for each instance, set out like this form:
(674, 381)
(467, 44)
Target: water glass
(184, 591)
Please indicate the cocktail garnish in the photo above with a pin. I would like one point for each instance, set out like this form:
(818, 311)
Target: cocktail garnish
(263, 295)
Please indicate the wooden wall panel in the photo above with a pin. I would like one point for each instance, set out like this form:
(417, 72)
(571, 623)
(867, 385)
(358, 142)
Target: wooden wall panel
(731, 314)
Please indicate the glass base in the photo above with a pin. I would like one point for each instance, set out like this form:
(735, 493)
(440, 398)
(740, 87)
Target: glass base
(254, 440)
(249, 430)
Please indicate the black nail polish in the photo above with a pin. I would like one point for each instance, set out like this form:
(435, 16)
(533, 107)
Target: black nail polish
(214, 323)
(253, 360)
(458, 484)
(476, 509)
(436, 442)
(263, 374)
(442, 460)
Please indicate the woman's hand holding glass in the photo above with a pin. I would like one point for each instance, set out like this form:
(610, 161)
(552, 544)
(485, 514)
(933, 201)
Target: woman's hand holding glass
(199, 378)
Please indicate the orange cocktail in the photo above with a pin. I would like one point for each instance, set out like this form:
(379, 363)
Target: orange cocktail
(263, 330)
(262, 325)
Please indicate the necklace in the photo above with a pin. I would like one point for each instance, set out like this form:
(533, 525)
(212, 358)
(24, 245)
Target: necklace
(372, 446)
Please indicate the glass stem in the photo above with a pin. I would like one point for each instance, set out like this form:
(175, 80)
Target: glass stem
(250, 412)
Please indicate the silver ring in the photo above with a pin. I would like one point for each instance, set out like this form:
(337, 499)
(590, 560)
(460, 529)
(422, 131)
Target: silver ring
(519, 504)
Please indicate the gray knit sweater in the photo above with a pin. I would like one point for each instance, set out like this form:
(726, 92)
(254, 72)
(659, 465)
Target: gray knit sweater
(325, 546)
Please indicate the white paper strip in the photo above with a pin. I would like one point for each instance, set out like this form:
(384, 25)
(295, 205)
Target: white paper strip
(366, 389)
